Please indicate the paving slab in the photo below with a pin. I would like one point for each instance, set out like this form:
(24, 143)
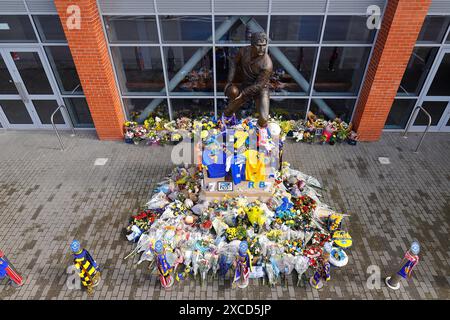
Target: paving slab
(49, 197)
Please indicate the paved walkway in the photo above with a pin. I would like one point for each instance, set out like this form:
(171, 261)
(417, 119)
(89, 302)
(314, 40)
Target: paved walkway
(49, 197)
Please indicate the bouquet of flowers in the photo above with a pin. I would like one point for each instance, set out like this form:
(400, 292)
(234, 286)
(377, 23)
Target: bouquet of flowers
(287, 126)
(274, 234)
(176, 137)
(293, 246)
(184, 123)
(255, 247)
(130, 124)
(305, 204)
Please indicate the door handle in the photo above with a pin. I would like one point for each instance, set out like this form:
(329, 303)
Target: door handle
(22, 92)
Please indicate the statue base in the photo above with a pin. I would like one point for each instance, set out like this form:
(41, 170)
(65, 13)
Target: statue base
(218, 188)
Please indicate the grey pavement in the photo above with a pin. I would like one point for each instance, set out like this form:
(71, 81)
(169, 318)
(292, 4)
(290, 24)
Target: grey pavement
(49, 197)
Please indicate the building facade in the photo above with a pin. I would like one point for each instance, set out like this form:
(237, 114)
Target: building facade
(371, 62)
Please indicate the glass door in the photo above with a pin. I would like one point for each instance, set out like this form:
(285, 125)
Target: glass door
(28, 95)
(436, 96)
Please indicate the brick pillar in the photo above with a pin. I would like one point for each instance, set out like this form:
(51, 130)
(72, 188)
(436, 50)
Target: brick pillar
(90, 54)
(400, 28)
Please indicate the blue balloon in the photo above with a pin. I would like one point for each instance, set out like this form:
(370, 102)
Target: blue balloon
(159, 246)
(243, 247)
(415, 247)
(75, 246)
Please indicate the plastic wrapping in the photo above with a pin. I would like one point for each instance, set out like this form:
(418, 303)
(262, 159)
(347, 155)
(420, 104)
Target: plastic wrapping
(258, 272)
(285, 233)
(158, 201)
(301, 264)
(219, 226)
(135, 234)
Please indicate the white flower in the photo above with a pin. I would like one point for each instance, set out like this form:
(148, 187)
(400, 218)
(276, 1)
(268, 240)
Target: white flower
(298, 135)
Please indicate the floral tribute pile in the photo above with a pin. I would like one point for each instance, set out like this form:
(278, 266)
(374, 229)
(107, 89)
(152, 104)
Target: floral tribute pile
(293, 230)
(160, 131)
(317, 130)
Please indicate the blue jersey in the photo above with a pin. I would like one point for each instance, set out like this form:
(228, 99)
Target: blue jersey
(3, 266)
(215, 162)
(238, 169)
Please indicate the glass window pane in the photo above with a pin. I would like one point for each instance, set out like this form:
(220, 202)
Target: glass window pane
(190, 69)
(49, 28)
(340, 70)
(400, 112)
(435, 109)
(6, 82)
(16, 29)
(79, 112)
(301, 59)
(32, 72)
(348, 29)
(296, 80)
(186, 29)
(295, 29)
(123, 29)
(192, 108)
(234, 29)
(16, 112)
(342, 108)
(417, 70)
(441, 82)
(289, 109)
(45, 108)
(139, 69)
(64, 69)
(223, 57)
(134, 107)
(433, 29)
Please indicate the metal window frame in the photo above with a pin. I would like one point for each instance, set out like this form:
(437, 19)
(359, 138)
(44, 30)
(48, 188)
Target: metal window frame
(163, 60)
(442, 46)
(40, 46)
(213, 33)
(217, 95)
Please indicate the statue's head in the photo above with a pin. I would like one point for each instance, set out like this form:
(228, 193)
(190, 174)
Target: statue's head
(259, 43)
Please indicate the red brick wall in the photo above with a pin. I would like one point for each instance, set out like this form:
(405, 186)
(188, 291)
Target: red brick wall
(400, 28)
(90, 53)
